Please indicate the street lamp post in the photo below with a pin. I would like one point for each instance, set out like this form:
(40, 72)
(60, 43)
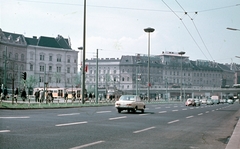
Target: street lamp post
(148, 30)
(96, 89)
(181, 53)
(84, 53)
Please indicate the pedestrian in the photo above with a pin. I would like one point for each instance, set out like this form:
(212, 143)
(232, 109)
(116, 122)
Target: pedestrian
(90, 96)
(41, 95)
(37, 94)
(23, 95)
(16, 94)
(51, 96)
(74, 95)
(5, 93)
(66, 96)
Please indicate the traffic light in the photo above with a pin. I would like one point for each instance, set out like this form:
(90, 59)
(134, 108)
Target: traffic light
(24, 75)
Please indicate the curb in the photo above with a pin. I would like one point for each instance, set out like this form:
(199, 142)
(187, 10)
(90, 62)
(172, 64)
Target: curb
(234, 142)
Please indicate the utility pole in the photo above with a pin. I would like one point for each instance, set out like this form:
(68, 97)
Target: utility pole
(5, 67)
(96, 89)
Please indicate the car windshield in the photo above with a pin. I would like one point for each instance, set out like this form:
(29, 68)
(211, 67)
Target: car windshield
(127, 97)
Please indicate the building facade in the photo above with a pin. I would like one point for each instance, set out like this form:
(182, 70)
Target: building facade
(47, 61)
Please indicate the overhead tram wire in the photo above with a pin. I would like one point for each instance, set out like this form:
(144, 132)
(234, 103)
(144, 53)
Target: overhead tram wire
(186, 29)
(195, 28)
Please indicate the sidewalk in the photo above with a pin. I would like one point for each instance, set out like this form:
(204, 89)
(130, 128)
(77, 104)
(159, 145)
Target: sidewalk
(234, 142)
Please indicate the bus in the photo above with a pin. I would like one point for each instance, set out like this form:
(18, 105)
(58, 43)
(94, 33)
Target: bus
(57, 92)
(236, 85)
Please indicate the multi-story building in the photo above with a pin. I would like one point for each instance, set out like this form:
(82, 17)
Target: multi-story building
(167, 70)
(46, 60)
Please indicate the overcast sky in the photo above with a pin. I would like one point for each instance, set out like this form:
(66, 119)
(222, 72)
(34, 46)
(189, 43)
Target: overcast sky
(197, 27)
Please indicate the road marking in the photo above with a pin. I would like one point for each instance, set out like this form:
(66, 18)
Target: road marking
(207, 111)
(175, 106)
(115, 118)
(158, 108)
(4, 131)
(142, 114)
(68, 114)
(87, 145)
(144, 130)
(191, 108)
(184, 109)
(173, 121)
(167, 107)
(213, 110)
(68, 124)
(146, 108)
(174, 110)
(162, 112)
(200, 114)
(14, 117)
(189, 116)
(103, 111)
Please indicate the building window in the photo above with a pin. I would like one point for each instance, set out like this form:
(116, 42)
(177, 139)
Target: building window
(41, 79)
(31, 67)
(50, 57)
(58, 69)
(16, 56)
(22, 57)
(68, 60)
(68, 70)
(50, 68)
(58, 80)
(123, 79)
(49, 79)
(75, 61)
(42, 68)
(41, 57)
(127, 78)
(59, 59)
(75, 70)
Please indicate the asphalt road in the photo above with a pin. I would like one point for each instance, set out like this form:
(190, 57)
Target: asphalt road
(162, 126)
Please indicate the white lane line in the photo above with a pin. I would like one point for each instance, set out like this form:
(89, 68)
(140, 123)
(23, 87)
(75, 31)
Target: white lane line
(142, 114)
(68, 124)
(191, 108)
(68, 114)
(14, 117)
(207, 112)
(115, 118)
(162, 112)
(158, 108)
(200, 114)
(167, 107)
(213, 110)
(144, 130)
(4, 131)
(184, 109)
(189, 116)
(175, 106)
(103, 111)
(173, 121)
(87, 145)
(174, 110)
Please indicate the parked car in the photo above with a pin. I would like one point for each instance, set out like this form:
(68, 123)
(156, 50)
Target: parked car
(209, 102)
(223, 101)
(190, 102)
(197, 102)
(230, 101)
(204, 101)
(130, 103)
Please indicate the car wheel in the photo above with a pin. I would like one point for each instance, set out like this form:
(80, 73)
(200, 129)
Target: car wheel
(134, 110)
(142, 110)
(128, 110)
(119, 111)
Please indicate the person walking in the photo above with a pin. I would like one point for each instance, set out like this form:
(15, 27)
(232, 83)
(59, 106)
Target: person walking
(23, 95)
(37, 94)
(5, 93)
(16, 94)
(66, 96)
(41, 95)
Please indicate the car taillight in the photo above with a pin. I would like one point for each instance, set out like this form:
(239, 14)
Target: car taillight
(118, 104)
(129, 104)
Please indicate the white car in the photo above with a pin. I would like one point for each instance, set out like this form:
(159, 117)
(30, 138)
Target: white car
(130, 103)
